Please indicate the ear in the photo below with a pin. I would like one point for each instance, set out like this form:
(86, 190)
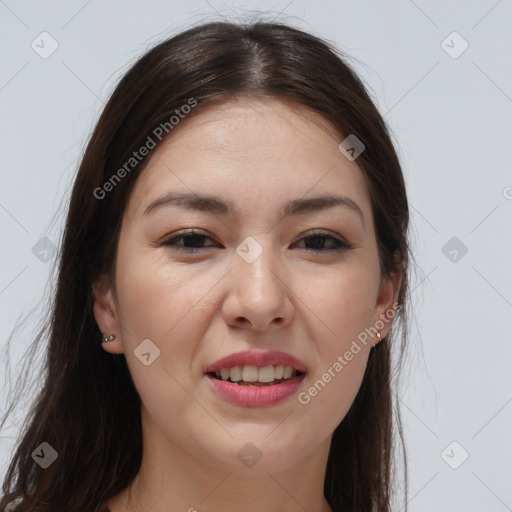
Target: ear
(387, 306)
(105, 314)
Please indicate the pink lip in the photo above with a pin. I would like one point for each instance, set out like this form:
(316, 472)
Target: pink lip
(260, 359)
(255, 396)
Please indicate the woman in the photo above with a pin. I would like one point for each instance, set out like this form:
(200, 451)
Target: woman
(233, 267)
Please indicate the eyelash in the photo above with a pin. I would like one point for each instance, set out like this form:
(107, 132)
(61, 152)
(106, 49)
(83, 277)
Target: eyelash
(171, 243)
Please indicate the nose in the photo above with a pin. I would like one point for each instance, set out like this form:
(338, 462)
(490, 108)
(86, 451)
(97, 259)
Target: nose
(259, 297)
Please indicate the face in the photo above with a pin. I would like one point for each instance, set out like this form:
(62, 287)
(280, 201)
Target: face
(261, 268)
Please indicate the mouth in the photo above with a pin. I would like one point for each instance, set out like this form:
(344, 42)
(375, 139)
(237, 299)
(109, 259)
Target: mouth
(254, 376)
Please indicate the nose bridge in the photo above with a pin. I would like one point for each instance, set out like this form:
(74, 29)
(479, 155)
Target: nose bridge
(256, 267)
(257, 291)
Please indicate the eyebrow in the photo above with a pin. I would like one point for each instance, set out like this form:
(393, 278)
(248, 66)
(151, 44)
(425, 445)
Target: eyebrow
(213, 204)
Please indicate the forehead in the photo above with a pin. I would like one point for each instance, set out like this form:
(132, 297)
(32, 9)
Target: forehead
(245, 149)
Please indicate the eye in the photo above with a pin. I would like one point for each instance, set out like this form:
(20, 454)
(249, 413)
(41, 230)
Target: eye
(193, 242)
(316, 241)
(192, 239)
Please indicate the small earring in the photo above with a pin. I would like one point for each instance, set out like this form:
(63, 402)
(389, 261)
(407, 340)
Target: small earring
(373, 346)
(110, 337)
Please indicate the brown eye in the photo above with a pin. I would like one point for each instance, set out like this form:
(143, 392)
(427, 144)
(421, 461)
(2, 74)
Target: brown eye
(192, 242)
(316, 243)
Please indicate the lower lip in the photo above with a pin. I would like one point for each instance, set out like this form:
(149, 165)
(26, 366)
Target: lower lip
(255, 396)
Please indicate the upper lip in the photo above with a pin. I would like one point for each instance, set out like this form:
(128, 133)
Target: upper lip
(260, 359)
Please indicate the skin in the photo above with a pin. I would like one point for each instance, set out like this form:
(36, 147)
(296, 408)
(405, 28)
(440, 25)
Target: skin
(198, 307)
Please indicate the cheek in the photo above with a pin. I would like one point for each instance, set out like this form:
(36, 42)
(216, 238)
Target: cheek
(343, 303)
(161, 306)
(343, 306)
(330, 393)
(154, 298)
(168, 305)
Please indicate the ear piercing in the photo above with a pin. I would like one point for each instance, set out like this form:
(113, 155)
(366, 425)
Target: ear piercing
(374, 345)
(110, 337)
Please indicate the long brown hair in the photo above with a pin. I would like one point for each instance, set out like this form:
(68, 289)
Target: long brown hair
(88, 409)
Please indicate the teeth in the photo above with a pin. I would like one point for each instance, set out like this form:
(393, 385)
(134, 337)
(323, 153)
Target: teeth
(266, 374)
(251, 373)
(235, 374)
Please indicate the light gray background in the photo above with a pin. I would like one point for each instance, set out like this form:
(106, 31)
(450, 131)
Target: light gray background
(452, 119)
